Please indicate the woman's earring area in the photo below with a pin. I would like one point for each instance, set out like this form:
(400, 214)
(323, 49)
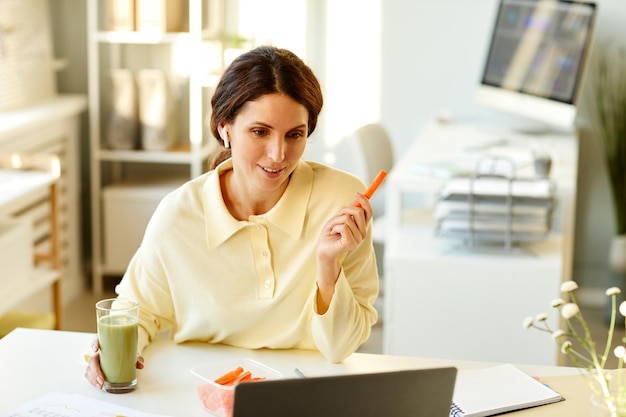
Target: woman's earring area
(224, 135)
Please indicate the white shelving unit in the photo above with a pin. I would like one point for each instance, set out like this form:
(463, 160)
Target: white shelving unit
(182, 55)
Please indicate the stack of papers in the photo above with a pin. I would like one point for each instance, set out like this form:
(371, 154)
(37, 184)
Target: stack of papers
(495, 209)
(57, 404)
(499, 187)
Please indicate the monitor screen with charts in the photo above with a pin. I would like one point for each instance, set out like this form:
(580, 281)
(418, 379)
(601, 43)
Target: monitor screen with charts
(406, 393)
(536, 59)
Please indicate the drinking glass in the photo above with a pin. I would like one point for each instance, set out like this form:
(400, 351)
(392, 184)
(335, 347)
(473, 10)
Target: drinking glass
(117, 334)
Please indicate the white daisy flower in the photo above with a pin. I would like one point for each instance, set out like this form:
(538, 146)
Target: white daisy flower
(613, 291)
(528, 322)
(557, 302)
(569, 310)
(557, 334)
(568, 286)
(566, 346)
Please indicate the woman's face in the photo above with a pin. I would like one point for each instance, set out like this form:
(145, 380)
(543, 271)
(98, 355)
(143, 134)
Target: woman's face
(267, 138)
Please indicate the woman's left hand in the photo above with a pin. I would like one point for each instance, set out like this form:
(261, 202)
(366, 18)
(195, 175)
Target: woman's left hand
(345, 230)
(342, 233)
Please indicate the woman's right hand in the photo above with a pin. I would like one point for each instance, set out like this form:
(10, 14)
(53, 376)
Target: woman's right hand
(93, 373)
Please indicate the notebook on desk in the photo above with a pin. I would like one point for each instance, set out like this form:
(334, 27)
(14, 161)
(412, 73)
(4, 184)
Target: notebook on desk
(499, 389)
(407, 393)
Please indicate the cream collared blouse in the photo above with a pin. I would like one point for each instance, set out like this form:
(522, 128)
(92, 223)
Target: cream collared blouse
(205, 276)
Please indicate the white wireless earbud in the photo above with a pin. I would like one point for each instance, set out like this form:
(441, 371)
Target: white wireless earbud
(224, 135)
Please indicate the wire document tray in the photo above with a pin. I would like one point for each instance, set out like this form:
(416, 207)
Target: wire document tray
(486, 209)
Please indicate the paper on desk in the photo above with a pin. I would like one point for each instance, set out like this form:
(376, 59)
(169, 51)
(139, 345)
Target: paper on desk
(462, 209)
(57, 404)
(492, 226)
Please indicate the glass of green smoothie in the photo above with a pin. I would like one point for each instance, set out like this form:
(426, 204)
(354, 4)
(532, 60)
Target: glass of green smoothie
(117, 334)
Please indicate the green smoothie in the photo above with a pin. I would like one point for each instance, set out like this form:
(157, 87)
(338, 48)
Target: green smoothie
(118, 347)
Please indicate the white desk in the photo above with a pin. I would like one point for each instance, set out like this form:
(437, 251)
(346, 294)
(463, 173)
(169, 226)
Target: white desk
(444, 302)
(34, 362)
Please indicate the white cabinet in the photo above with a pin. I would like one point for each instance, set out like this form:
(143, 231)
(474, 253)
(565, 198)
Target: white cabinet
(190, 60)
(443, 299)
(48, 127)
(29, 238)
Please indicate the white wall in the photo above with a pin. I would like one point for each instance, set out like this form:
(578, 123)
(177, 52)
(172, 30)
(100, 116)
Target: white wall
(431, 60)
(432, 55)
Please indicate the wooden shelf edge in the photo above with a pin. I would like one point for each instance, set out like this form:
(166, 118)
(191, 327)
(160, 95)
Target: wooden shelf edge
(176, 156)
(141, 38)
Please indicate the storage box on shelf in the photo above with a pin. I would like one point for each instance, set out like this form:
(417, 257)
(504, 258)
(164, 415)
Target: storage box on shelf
(127, 209)
(138, 76)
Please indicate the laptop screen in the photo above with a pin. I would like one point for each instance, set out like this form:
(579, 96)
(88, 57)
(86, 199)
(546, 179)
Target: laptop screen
(407, 393)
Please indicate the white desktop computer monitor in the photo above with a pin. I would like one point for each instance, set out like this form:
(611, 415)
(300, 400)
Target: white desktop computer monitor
(537, 59)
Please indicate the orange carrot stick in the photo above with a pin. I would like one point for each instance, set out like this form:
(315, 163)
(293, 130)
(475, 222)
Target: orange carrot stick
(245, 376)
(229, 376)
(374, 185)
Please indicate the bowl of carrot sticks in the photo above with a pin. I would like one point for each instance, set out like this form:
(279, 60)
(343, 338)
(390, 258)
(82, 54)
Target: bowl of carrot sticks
(216, 389)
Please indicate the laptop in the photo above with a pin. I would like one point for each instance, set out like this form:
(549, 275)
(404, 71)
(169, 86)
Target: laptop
(406, 393)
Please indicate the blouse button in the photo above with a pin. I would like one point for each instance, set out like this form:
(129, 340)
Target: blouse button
(267, 284)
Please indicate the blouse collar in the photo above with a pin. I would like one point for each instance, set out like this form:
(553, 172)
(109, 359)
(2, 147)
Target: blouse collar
(288, 214)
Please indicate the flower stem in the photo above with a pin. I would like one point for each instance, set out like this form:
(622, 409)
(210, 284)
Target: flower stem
(609, 340)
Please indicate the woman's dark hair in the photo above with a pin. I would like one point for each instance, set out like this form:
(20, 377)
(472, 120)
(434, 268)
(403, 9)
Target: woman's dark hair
(260, 71)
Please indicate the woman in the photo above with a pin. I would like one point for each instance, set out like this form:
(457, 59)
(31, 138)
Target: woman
(265, 250)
